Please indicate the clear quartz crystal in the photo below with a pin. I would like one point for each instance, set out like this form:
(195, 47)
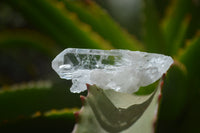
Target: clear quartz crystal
(120, 70)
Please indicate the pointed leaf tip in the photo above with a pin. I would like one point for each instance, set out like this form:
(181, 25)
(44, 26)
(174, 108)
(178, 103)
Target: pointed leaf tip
(82, 99)
(88, 86)
(77, 116)
(163, 77)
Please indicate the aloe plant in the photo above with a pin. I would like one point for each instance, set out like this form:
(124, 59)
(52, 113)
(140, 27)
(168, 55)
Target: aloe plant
(130, 113)
(170, 28)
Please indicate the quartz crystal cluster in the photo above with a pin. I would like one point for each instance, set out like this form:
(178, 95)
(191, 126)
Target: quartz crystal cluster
(120, 70)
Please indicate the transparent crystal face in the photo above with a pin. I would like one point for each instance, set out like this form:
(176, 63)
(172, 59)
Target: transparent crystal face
(121, 70)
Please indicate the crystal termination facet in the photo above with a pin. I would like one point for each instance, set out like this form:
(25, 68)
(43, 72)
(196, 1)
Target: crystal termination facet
(120, 70)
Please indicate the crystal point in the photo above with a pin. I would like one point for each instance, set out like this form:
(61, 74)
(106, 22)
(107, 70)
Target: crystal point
(121, 70)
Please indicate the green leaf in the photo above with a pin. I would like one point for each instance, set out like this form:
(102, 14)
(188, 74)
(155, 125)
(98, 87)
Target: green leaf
(27, 38)
(181, 93)
(181, 36)
(175, 24)
(174, 100)
(147, 89)
(190, 58)
(52, 121)
(107, 110)
(194, 25)
(61, 25)
(102, 23)
(153, 38)
(25, 99)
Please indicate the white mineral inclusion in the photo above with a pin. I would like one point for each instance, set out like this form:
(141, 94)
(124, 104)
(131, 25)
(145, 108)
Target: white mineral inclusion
(120, 70)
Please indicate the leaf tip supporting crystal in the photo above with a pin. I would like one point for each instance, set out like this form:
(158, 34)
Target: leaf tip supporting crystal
(77, 116)
(82, 99)
(88, 86)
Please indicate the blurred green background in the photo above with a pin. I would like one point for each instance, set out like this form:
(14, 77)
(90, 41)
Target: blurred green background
(32, 96)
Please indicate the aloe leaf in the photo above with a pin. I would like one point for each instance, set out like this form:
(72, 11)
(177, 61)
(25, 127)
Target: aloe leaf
(190, 57)
(25, 99)
(112, 118)
(102, 23)
(181, 93)
(110, 111)
(174, 102)
(51, 121)
(153, 38)
(27, 38)
(59, 24)
(147, 89)
(194, 25)
(172, 24)
(181, 36)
